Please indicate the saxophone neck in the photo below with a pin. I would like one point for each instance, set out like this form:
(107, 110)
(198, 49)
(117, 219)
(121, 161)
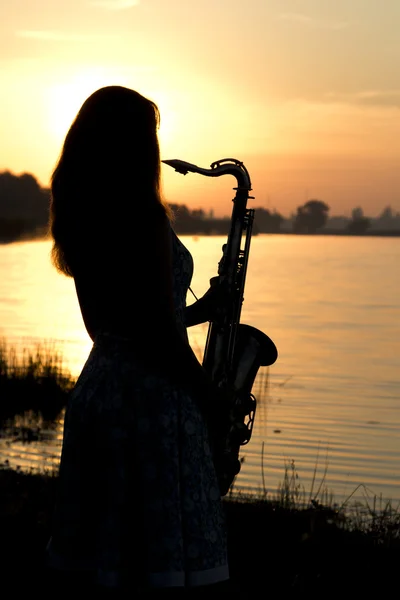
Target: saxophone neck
(225, 166)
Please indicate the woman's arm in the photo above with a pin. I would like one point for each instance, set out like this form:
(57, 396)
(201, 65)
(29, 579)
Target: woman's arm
(197, 313)
(205, 307)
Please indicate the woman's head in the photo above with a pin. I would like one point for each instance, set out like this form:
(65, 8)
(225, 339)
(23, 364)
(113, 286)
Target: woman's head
(116, 128)
(108, 173)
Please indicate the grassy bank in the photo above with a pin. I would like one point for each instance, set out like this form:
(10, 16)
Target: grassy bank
(282, 544)
(272, 548)
(34, 384)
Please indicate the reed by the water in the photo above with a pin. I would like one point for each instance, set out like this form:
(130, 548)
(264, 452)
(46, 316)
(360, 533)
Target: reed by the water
(34, 384)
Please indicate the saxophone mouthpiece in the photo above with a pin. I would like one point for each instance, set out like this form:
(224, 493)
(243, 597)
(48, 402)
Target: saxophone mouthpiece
(178, 165)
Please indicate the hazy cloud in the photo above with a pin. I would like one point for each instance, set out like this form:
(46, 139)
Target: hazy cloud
(311, 21)
(295, 17)
(58, 36)
(114, 4)
(368, 97)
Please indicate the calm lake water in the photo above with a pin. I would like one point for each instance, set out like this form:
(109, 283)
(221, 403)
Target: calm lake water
(332, 400)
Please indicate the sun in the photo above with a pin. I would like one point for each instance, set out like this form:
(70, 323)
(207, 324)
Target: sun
(65, 98)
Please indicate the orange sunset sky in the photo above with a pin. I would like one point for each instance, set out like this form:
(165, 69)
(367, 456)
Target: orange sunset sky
(305, 92)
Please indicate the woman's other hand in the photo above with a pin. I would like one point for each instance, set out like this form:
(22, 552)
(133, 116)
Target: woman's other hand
(216, 298)
(209, 306)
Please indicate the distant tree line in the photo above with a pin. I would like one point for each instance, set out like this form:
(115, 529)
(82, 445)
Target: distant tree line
(24, 207)
(310, 218)
(24, 211)
(197, 222)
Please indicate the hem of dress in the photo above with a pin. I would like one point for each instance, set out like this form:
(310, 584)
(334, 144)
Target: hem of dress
(190, 578)
(167, 579)
(60, 563)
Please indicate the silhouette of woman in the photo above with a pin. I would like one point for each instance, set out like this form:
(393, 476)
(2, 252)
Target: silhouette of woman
(138, 505)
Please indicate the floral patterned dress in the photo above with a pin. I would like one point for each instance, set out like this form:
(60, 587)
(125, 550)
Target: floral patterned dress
(138, 501)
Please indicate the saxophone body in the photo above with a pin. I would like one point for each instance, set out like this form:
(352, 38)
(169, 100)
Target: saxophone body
(234, 351)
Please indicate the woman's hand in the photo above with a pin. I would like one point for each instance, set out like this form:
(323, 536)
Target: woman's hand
(224, 447)
(215, 298)
(208, 306)
(218, 409)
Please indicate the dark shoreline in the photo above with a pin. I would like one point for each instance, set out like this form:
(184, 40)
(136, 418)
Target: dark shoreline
(282, 550)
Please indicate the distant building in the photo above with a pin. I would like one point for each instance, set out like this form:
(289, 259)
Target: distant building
(287, 224)
(338, 223)
(388, 220)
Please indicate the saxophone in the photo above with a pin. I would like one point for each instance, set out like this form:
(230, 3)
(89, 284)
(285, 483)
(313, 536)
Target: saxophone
(234, 351)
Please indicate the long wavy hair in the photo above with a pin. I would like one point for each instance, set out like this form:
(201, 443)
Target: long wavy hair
(105, 187)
